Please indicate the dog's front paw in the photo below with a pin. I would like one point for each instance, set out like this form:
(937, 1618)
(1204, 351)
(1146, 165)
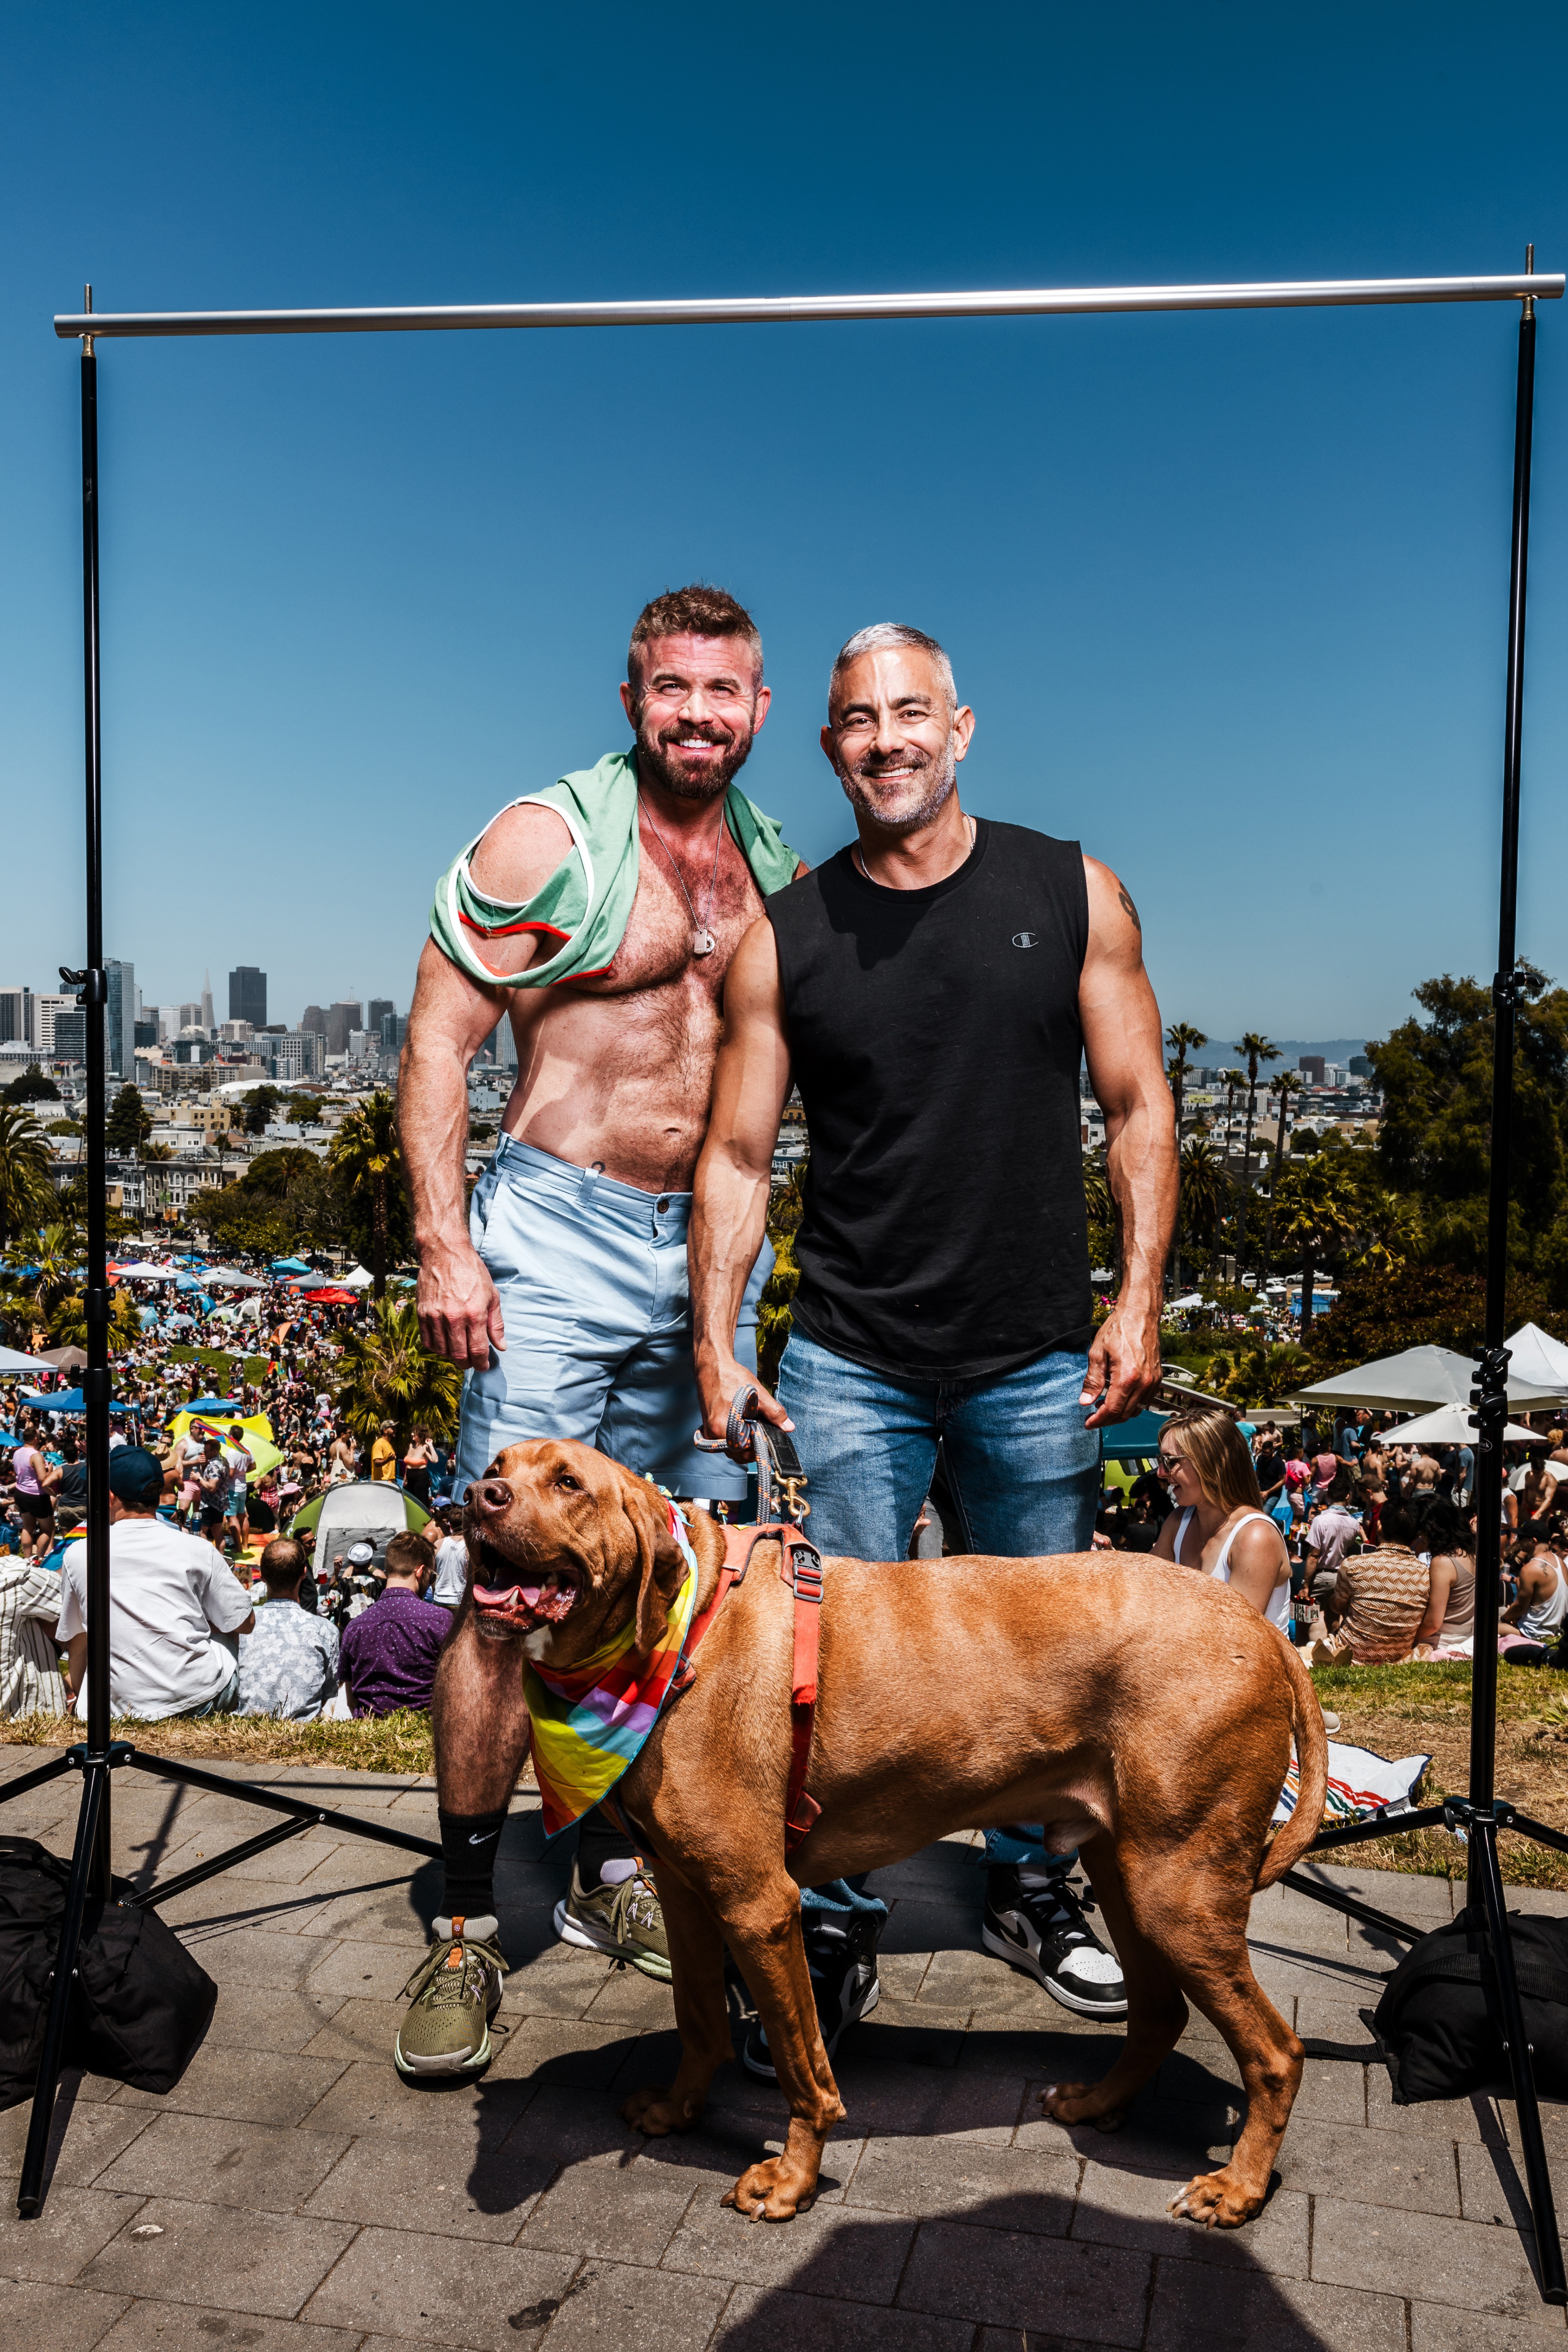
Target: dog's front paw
(774, 2190)
(1216, 2200)
(1080, 2102)
(655, 2111)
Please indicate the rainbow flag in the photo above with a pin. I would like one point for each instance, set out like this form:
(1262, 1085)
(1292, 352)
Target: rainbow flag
(587, 1725)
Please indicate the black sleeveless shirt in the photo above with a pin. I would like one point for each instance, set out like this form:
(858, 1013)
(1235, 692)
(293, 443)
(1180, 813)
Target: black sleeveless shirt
(935, 1041)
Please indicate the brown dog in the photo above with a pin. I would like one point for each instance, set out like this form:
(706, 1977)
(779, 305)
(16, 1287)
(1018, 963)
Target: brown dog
(953, 1695)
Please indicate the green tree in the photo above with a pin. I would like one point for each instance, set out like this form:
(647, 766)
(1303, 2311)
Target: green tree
(33, 1085)
(68, 1321)
(1256, 1371)
(1257, 1050)
(1180, 1037)
(1335, 1211)
(774, 1308)
(365, 1158)
(384, 1374)
(26, 1186)
(1206, 1188)
(259, 1105)
(130, 1122)
(283, 1200)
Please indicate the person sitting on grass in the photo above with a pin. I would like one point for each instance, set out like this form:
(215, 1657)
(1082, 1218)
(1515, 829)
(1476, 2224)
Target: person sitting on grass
(175, 1606)
(288, 1666)
(30, 1678)
(1449, 1536)
(389, 1652)
(1381, 1597)
(1540, 1605)
(1219, 1526)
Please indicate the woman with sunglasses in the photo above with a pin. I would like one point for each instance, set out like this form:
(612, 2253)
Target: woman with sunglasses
(1219, 1525)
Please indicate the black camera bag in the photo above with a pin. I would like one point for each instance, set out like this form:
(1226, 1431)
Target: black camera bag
(1438, 2023)
(140, 2004)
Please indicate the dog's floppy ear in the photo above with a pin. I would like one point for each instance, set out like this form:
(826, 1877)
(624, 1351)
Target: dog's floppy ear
(660, 1567)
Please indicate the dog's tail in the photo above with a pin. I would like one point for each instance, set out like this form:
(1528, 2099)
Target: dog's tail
(1294, 1836)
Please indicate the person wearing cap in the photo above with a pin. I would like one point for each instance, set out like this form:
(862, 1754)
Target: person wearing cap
(175, 1606)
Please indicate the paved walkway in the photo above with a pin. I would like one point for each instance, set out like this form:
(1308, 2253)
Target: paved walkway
(305, 2201)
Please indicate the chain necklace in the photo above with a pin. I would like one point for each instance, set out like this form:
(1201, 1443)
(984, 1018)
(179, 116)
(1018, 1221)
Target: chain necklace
(702, 941)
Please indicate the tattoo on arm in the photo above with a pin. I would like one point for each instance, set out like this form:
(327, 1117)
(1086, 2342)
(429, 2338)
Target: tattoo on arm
(1130, 908)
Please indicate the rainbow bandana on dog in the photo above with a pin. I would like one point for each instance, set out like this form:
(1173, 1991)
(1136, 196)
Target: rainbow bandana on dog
(587, 1725)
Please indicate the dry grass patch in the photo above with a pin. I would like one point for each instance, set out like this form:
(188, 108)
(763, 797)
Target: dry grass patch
(377, 1743)
(1401, 1710)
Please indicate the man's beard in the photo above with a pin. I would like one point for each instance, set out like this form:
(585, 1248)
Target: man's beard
(933, 781)
(659, 762)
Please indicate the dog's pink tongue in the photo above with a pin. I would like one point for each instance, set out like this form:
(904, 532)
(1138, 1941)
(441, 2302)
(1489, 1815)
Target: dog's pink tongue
(529, 1594)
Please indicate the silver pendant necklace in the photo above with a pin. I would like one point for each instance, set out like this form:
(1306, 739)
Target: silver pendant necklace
(702, 940)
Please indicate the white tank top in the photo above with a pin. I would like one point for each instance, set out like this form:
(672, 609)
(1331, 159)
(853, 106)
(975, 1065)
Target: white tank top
(1546, 1616)
(1279, 1609)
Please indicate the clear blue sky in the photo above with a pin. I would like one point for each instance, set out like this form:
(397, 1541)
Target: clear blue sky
(1227, 594)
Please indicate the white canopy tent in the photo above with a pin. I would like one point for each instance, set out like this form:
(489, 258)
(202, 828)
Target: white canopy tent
(1419, 1377)
(13, 1360)
(1535, 1355)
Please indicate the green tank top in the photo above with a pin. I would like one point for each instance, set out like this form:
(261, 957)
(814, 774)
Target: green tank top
(581, 913)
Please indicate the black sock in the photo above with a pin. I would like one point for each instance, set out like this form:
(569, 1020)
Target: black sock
(598, 1842)
(469, 1842)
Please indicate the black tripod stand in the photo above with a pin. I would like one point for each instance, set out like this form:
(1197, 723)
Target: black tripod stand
(1483, 1813)
(90, 1878)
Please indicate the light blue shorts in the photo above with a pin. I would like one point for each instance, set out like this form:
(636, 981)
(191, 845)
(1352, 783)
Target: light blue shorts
(592, 1286)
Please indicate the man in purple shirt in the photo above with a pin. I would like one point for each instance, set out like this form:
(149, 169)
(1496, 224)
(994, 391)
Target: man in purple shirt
(389, 1650)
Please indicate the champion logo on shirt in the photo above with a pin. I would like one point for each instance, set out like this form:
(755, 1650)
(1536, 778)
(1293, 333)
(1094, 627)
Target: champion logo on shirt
(1026, 939)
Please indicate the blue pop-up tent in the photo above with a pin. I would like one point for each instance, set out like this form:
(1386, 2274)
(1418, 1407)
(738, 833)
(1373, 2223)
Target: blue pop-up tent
(1130, 1440)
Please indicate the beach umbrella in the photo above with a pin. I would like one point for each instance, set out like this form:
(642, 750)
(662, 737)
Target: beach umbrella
(1417, 1377)
(1451, 1425)
(290, 1265)
(64, 1360)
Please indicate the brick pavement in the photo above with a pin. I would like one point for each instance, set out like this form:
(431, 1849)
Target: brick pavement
(306, 2201)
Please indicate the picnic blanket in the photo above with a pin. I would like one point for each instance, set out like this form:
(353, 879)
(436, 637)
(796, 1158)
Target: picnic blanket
(1359, 1781)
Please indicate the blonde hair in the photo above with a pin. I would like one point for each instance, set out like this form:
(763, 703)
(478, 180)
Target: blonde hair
(1217, 1451)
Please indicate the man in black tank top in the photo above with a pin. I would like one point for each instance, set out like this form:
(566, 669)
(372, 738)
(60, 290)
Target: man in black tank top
(932, 990)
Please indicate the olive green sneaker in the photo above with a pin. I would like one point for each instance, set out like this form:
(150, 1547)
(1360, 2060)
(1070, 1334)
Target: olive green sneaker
(623, 1921)
(455, 1992)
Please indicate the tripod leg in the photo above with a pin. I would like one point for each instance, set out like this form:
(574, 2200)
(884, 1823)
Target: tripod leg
(1484, 1865)
(30, 2193)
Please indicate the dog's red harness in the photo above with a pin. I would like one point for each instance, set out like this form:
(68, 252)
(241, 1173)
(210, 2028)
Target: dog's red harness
(800, 1568)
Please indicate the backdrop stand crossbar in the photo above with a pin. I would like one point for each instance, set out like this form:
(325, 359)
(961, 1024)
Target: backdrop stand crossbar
(1480, 1814)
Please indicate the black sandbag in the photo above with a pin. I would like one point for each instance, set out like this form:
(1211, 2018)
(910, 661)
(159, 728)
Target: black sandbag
(141, 2005)
(1438, 2024)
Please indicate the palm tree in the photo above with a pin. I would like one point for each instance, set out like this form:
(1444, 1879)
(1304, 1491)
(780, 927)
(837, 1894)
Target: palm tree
(1283, 1086)
(1317, 1214)
(26, 1188)
(1258, 1049)
(385, 1375)
(1233, 1080)
(1202, 1194)
(1179, 1037)
(364, 1153)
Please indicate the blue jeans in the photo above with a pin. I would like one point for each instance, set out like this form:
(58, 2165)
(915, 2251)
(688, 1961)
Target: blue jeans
(1022, 1466)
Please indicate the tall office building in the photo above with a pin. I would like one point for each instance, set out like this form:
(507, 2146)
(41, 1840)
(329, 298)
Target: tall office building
(342, 1018)
(190, 1018)
(70, 1035)
(380, 1006)
(45, 1010)
(247, 995)
(313, 1020)
(120, 1021)
(15, 1016)
(208, 1019)
(394, 1029)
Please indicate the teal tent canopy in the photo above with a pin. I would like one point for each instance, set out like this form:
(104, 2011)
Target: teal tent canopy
(1129, 1438)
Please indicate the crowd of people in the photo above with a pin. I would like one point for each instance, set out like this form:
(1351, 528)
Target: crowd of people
(223, 1599)
(1375, 1540)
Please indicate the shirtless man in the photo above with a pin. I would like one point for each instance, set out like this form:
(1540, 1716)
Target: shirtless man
(602, 914)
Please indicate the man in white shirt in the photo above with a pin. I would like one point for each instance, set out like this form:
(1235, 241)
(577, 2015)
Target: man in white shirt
(174, 1606)
(451, 1565)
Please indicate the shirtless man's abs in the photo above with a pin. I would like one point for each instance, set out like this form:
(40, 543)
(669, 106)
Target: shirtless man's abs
(602, 914)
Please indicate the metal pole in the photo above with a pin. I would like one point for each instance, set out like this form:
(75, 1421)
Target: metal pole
(1490, 1394)
(793, 309)
(95, 998)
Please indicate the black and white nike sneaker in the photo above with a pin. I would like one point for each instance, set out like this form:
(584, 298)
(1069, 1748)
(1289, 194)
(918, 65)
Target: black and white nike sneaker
(1042, 1930)
(842, 1964)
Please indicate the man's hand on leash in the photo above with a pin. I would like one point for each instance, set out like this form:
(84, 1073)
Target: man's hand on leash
(460, 1313)
(1123, 1366)
(719, 1379)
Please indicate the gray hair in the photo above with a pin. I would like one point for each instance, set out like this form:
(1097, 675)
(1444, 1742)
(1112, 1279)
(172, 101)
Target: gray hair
(893, 632)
